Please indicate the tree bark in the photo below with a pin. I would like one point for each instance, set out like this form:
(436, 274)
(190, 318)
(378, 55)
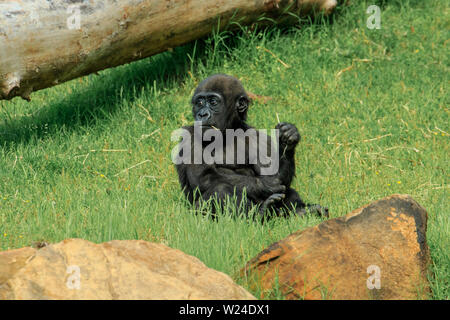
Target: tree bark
(44, 43)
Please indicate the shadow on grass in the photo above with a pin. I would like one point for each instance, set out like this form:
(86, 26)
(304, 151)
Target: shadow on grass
(86, 106)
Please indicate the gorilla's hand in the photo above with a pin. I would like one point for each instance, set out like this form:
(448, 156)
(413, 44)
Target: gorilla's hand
(272, 185)
(270, 201)
(289, 135)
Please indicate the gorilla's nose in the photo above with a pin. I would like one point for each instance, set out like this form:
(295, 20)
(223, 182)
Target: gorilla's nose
(203, 115)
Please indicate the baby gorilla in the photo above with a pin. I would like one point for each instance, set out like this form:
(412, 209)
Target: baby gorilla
(219, 104)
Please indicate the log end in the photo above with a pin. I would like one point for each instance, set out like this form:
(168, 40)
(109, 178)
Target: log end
(324, 6)
(10, 87)
(328, 6)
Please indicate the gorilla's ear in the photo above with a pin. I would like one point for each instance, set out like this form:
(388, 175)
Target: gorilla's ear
(242, 104)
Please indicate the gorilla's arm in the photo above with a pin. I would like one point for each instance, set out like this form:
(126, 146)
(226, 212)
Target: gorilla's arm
(288, 140)
(211, 180)
(286, 172)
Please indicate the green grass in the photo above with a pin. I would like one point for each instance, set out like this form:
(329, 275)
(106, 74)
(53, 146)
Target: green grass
(377, 128)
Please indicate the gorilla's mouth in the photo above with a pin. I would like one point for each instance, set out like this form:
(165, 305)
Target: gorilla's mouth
(208, 126)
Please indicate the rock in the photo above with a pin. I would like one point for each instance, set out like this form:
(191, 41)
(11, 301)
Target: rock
(128, 269)
(378, 251)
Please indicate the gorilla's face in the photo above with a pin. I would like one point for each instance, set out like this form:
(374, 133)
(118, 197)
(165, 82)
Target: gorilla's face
(208, 108)
(220, 102)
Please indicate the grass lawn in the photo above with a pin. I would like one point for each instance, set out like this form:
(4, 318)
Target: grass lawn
(91, 158)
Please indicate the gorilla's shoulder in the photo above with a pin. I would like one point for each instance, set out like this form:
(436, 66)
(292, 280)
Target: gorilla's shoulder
(190, 129)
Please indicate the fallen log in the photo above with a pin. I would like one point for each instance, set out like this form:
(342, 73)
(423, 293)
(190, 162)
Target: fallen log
(44, 43)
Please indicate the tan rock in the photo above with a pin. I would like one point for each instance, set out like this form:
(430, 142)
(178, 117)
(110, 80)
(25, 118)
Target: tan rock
(381, 245)
(127, 269)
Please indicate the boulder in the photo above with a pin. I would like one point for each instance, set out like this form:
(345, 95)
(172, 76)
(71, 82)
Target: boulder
(378, 251)
(120, 269)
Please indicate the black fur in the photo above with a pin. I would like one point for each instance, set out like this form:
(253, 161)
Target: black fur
(220, 102)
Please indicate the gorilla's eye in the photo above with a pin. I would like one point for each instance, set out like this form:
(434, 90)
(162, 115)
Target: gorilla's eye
(201, 102)
(213, 101)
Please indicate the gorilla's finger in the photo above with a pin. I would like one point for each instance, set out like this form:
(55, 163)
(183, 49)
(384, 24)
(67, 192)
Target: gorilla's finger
(291, 130)
(277, 196)
(274, 198)
(278, 189)
(293, 139)
(284, 128)
(280, 124)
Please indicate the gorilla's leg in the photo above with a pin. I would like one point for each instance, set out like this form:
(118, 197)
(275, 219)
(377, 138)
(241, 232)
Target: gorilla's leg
(222, 195)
